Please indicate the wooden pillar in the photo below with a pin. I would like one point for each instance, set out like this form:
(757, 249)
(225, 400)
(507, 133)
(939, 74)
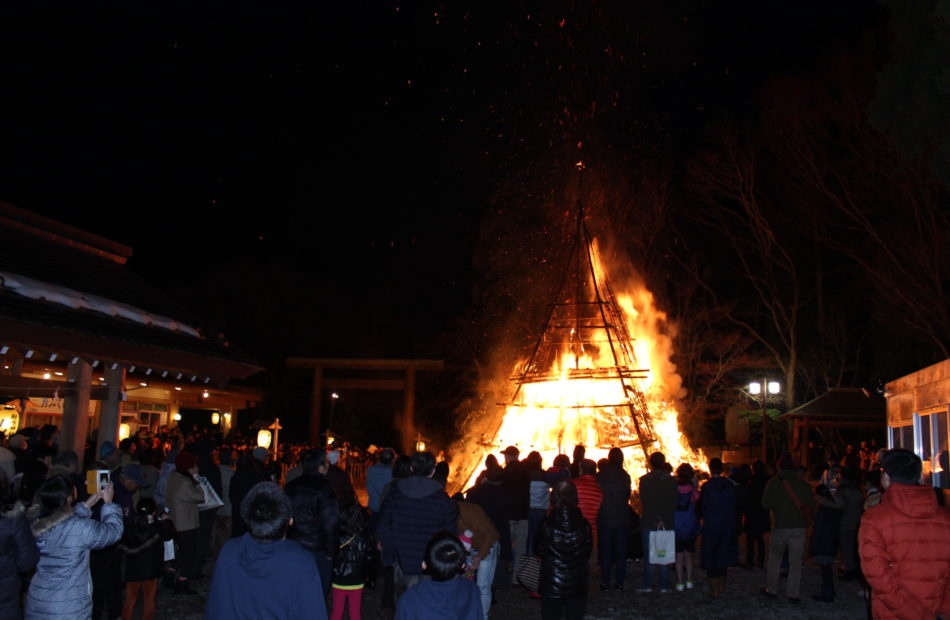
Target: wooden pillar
(315, 403)
(409, 410)
(110, 409)
(76, 408)
(805, 449)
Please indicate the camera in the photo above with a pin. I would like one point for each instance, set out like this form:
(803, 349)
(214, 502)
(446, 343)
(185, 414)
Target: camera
(97, 480)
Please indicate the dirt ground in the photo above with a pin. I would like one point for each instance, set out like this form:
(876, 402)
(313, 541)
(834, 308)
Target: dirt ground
(740, 601)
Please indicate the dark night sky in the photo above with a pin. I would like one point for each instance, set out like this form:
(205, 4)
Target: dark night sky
(355, 144)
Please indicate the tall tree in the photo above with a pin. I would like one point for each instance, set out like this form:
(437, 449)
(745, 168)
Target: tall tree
(913, 93)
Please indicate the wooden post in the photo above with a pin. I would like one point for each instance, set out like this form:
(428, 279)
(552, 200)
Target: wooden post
(110, 408)
(409, 411)
(316, 401)
(805, 449)
(76, 408)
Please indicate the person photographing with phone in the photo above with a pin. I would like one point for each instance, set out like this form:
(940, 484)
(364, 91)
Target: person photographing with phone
(65, 534)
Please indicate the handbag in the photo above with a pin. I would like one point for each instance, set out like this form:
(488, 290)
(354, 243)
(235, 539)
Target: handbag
(662, 546)
(169, 550)
(529, 572)
(212, 500)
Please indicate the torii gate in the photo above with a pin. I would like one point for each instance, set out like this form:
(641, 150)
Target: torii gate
(407, 385)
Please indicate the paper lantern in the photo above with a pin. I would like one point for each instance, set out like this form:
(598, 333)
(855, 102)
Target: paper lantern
(215, 417)
(263, 438)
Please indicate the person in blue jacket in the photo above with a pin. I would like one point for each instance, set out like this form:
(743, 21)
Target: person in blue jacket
(65, 534)
(262, 574)
(414, 509)
(446, 595)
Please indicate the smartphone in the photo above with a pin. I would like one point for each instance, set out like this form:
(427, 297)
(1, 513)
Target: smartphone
(96, 480)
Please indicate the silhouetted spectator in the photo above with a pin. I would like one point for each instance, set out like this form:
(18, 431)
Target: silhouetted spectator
(658, 498)
(517, 482)
(251, 470)
(316, 512)
(340, 481)
(720, 542)
(412, 512)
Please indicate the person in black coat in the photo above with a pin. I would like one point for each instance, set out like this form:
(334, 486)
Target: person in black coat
(20, 553)
(250, 472)
(756, 517)
(613, 520)
(825, 539)
(496, 502)
(316, 513)
(204, 449)
(340, 481)
(564, 543)
(355, 558)
(717, 508)
(143, 545)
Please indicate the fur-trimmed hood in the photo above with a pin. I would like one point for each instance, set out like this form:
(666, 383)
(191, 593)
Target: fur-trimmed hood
(41, 525)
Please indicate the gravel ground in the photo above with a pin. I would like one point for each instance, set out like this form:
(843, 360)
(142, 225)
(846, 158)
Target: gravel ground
(741, 601)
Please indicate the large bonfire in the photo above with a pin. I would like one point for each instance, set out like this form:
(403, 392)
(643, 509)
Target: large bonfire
(600, 376)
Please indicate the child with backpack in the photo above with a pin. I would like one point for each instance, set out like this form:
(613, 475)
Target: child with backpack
(144, 549)
(687, 526)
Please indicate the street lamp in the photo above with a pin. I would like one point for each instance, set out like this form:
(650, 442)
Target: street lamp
(334, 396)
(763, 389)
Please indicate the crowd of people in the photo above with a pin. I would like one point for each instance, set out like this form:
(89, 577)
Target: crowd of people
(174, 508)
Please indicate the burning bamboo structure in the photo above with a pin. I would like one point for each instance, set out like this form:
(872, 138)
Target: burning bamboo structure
(585, 380)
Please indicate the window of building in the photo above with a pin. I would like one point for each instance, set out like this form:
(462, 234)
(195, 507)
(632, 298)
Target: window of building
(931, 443)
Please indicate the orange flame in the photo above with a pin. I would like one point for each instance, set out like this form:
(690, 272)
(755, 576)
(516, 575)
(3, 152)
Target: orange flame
(552, 416)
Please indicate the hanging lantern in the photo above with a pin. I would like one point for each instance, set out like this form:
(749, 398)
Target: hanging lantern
(263, 438)
(9, 420)
(124, 431)
(420, 446)
(215, 418)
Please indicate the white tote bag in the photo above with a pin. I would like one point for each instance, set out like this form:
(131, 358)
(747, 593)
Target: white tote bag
(169, 550)
(662, 547)
(211, 496)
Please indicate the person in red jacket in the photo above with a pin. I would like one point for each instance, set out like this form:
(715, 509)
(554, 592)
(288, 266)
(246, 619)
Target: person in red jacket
(904, 544)
(589, 494)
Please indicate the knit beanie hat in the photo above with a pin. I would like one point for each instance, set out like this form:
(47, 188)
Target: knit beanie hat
(185, 461)
(106, 450)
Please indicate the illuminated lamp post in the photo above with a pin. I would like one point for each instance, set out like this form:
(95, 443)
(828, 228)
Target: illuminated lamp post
(763, 390)
(334, 396)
